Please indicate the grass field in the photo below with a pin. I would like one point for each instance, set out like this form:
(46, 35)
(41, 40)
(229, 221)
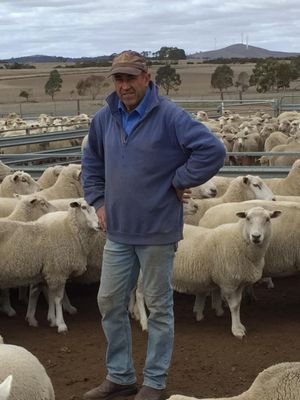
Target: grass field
(195, 85)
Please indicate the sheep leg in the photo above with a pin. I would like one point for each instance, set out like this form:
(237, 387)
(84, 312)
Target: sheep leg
(233, 297)
(6, 304)
(34, 293)
(55, 304)
(216, 302)
(67, 306)
(199, 306)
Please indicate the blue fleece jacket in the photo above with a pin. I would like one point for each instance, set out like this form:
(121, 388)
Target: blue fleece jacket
(134, 176)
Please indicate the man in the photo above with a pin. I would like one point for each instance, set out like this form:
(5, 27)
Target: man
(142, 156)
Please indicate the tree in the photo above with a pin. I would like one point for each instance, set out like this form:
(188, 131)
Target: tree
(25, 94)
(53, 84)
(264, 75)
(221, 78)
(93, 84)
(273, 74)
(168, 78)
(171, 53)
(242, 83)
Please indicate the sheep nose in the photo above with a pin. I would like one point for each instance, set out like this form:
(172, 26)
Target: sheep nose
(274, 199)
(196, 207)
(213, 192)
(256, 237)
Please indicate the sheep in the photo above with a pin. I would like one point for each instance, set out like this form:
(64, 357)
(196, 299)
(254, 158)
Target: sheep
(29, 379)
(277, 382)
(50, 249)
(19, 182)
(274, 139)
(5, 170)
(288, 186)
(241, 188)
(5, 388)
(283, 160)
(67, 185)
(7, 205)
(206, 190)
(27, 209)
(239, 249)
(49, 176)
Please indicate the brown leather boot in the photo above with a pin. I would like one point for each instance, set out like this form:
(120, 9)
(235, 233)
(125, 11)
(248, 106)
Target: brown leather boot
(149, 393)
(108, 390)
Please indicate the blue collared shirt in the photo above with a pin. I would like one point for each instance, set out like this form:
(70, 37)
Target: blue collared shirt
(129, 120)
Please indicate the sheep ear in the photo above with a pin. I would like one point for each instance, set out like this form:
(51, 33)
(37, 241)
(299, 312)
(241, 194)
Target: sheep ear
(16, 177)
(275, 214)
(74, 204)
(241, 214)
(245, 180)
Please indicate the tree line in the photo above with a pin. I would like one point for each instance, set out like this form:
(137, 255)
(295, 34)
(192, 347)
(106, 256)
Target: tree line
(267, 75)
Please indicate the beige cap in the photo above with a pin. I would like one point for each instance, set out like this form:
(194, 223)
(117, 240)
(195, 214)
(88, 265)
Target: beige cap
(128, 62)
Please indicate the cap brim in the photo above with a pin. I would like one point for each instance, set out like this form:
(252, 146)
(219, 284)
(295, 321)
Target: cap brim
(125, 70)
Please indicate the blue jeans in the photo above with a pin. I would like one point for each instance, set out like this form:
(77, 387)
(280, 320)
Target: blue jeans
(120, 270)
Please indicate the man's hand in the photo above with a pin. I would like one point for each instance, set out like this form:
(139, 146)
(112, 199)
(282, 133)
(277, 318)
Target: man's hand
(102, 218)
(183, 194)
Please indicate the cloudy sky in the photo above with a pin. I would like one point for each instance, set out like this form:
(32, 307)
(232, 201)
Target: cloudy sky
(80, 28)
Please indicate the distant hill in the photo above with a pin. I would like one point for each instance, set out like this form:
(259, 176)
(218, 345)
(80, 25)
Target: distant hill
(241, 51)
(35, 59)
(234, 51)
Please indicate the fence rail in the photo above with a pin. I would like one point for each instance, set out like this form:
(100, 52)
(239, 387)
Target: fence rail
(36, 162)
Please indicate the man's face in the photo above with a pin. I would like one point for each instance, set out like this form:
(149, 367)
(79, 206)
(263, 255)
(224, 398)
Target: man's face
(131, 88)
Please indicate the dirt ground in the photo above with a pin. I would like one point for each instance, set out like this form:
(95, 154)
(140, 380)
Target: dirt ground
(207, 361)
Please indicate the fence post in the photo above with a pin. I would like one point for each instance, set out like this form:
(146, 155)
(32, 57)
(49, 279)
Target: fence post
(78, 107)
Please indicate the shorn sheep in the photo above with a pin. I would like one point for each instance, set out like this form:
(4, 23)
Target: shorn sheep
(28, 377)
(278, 382)
(50, 250)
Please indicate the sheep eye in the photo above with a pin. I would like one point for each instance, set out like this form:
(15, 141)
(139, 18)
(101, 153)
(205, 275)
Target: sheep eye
(83, 207)
(247, 219)
(256, 185)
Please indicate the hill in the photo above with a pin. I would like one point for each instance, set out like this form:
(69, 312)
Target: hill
(241, 51)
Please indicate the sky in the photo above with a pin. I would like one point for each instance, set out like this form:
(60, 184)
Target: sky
(90, 28)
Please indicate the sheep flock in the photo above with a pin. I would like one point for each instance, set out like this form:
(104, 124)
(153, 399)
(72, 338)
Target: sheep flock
(237, 231)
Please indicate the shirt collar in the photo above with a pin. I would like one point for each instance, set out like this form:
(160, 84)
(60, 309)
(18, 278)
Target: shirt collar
(141, 108)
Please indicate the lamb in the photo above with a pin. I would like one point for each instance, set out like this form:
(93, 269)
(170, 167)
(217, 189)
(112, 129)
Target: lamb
(28, 377)
(241, 188)
(277, 382)
(19, 182)
(5, 170)
(49, 176)
(50, 249)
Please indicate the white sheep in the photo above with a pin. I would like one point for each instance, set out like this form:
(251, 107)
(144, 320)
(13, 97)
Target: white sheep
(27, 209)
(19, 182)
(5, 170)
(29, 379)
(50, 249)
(238, 251)
(49, 176)
(241, 188)
(289, 185)
(67, 185)
(206, 190)
(277, 382)
(7, 205)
